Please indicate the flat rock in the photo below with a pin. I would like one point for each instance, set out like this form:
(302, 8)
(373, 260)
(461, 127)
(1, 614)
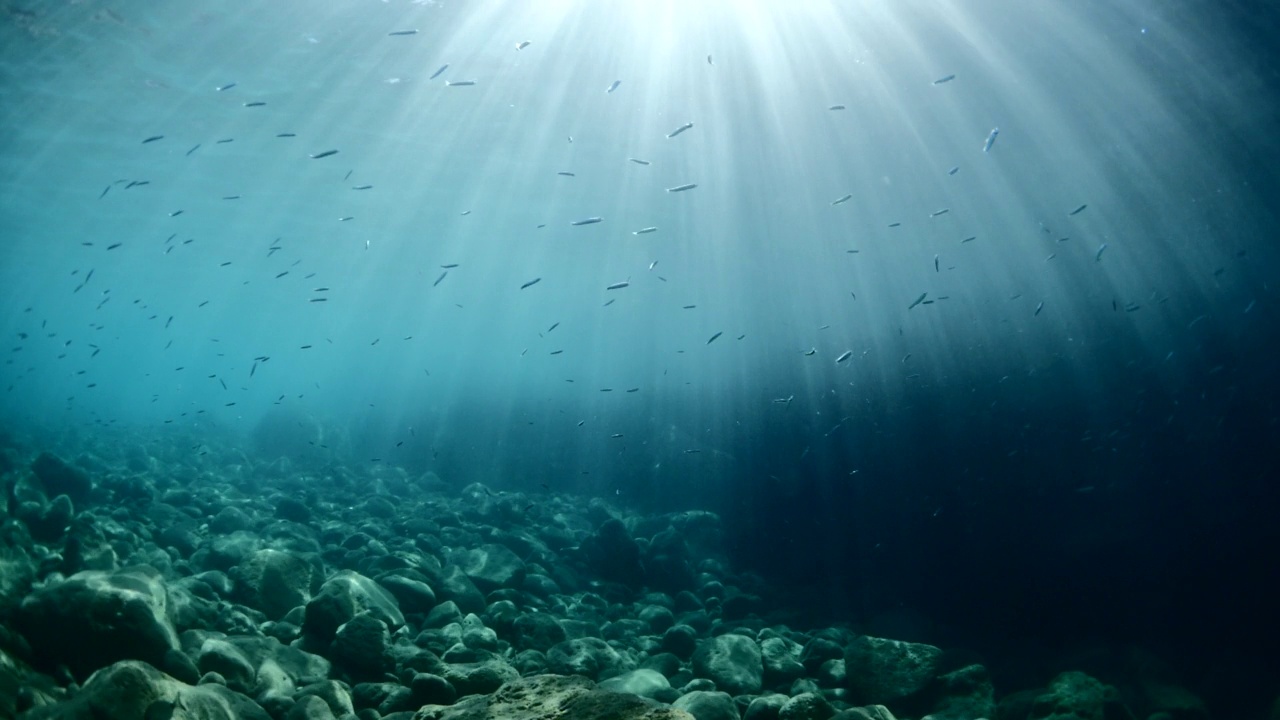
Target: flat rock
(547, 697)
(732, 662)
(884, 671)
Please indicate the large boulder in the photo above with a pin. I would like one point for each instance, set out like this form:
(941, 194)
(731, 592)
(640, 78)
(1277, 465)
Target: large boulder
(885, 671)
(344, 596)
(732, 662)
(95, 618)
(491, 567)
(58, 478)
(274, 582)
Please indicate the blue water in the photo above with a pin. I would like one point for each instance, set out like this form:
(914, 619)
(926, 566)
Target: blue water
(1058, 412)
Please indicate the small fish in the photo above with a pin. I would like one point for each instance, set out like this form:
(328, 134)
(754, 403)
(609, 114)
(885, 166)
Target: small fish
(935, 264)
(811, 352)
(895, 224)
(254, 104)
(556, 352)
(618, 286)
(553, 326)
(153, 138)
(836, 107)
(459, 83)
(113, 246)
(645, 231)
(638, 161)
(1097, 257)
(613, 86)
(280, 275)
(362, 187)
(1078, 210)
(1247, 308)
(843, 199)
(228, 86)
(522, 44)
(450, 266)
(586, 221)
(679, 130)
(917, 300)
(971, 238)
(709, 62)
(224, 141)
(991, 140)
(682, 188)
(713, 337)
(439, 279)
(954, 170)
(566, 174)
(286, 135)
(688, 307)
(944, 79)
(532, 282)
(324, 154)
(402, 32)
(936, 213)
(1039, 307)
(439, 72)
(844, 356)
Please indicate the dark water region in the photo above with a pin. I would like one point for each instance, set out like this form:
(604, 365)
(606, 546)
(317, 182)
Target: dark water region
(749, 360)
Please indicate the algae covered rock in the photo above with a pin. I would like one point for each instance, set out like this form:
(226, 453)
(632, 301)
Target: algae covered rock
(551, 696)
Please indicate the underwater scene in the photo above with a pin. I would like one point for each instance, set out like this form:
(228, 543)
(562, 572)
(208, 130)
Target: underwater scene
(639, 360)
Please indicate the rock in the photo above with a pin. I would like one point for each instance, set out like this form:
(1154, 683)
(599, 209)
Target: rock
(883, 671)
(964, 693)
(537, 631)
(414, 596)
(781, 661)
(681, 641)
(310, 707)
(658, 618)
(479, 678)
(613, 554)
(1076, 696)
(274, 582)
(491, 567)
(765, 707)
(333, 693)
(293, 509)
(230, 519)
(551, 696)
(341, 598)
(456, 586)
(360, 646)
(95, 618)
(59, 478)
(1174, 701)
(133, 689)
(809, 706)
(732, 662)
(703, 705)
(590, 657)
(445, 614)
(225, 659)
(645, 683)
(429, 689)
